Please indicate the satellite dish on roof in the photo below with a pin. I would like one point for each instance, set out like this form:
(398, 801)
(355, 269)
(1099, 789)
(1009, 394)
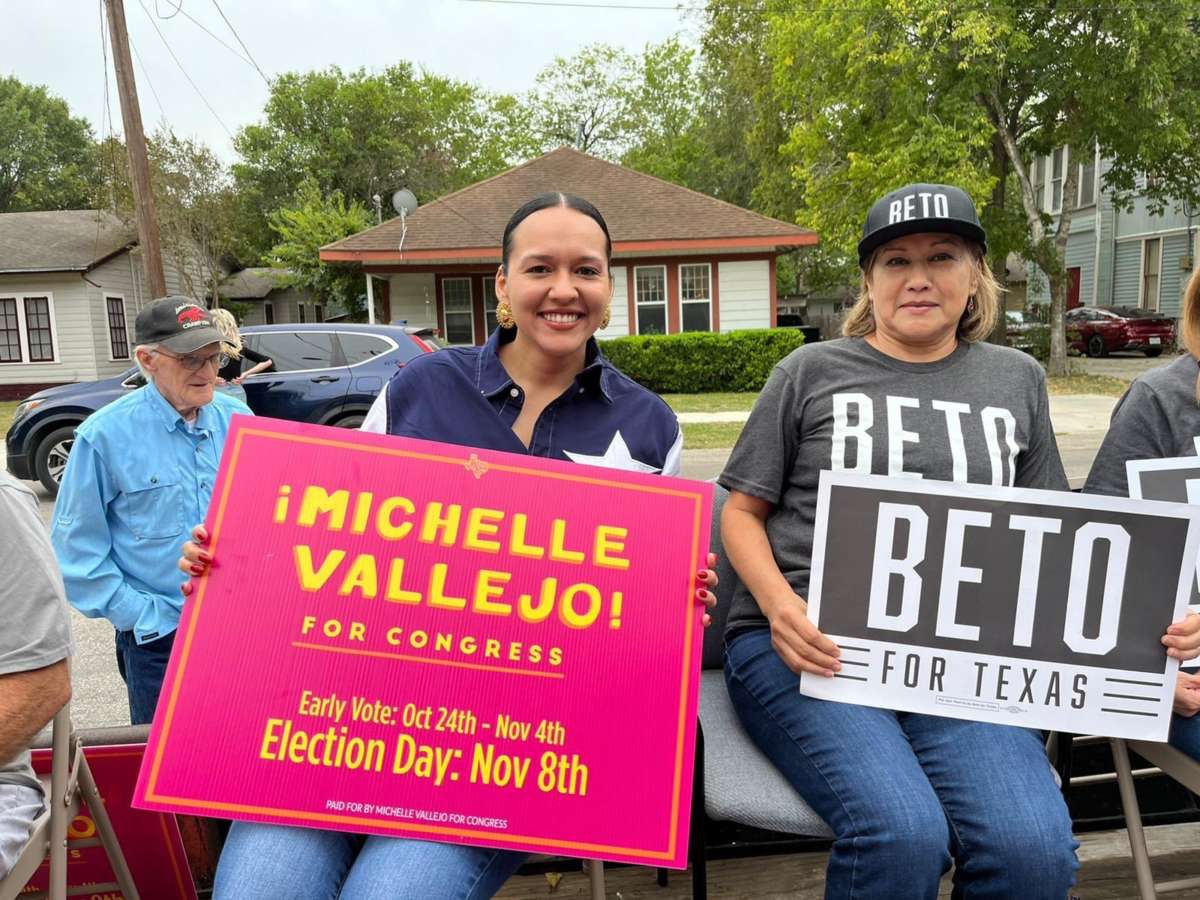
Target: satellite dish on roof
(404, 202)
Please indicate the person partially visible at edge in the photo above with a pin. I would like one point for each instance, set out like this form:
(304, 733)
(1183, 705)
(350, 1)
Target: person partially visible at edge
(539, 386)
(906, 795)
(1159, 417)
(35, 644)
(229, 379)
(140, 473)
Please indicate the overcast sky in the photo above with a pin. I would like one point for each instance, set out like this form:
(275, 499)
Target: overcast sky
(499, 45)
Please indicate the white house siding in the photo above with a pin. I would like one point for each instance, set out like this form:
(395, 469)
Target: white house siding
(1174, 279)
(618, 325)
(72, 329)
(1127, 267)
(745, 294)
(413, 298)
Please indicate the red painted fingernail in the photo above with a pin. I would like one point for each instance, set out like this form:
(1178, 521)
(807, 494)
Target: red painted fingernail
(703, 573)
(197, 570)
(702, 594)
(204, 557)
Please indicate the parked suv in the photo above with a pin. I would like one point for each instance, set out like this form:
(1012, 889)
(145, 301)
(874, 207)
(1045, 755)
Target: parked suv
(327, 374)
(1099, 330)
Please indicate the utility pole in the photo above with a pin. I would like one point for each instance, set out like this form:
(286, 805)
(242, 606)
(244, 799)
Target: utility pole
(135, 144)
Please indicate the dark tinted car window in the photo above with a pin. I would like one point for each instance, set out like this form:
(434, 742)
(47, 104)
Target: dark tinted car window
(361, 347)
(293, 351)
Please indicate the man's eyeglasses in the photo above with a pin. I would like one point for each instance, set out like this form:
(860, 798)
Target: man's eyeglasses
(194, 362)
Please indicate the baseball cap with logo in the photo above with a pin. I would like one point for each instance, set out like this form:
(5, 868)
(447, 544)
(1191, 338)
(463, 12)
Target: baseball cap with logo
(917, 209)
(179, 324)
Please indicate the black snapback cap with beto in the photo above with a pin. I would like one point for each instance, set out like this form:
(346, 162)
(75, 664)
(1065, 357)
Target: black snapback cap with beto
(178, 323)
(918, 208)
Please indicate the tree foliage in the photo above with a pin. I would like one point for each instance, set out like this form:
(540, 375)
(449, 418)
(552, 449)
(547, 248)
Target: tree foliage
(312, 220)
(47, 156)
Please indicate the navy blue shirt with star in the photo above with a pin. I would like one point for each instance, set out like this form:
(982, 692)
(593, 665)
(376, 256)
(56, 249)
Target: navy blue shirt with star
(463, 395)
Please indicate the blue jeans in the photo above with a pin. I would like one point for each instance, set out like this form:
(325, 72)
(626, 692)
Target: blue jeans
(1185, 734)
(905, 794)
(273, 862)
(143, 667)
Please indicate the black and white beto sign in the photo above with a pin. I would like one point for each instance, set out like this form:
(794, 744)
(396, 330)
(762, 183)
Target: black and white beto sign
(1023, 607)
(1176, 480)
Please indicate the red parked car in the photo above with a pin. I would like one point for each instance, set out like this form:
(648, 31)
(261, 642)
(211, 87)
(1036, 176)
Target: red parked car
(1099, 330)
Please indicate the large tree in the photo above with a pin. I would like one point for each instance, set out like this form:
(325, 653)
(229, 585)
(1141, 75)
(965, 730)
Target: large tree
(361, 133)
(882, 93)
(47, 156)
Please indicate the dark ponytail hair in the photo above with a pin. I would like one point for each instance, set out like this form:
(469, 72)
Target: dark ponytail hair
(548, 201)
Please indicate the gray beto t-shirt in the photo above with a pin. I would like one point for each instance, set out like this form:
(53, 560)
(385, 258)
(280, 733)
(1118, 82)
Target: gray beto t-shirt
(1157, 418)
(979, 415)
(35, 630)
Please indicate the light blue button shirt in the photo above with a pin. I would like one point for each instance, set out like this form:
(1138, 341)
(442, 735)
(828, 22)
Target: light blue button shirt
(137, 480)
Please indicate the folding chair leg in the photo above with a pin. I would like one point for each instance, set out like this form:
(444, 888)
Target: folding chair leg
(108, 837)
(699, 837)
(596, 876)
(1133, 820)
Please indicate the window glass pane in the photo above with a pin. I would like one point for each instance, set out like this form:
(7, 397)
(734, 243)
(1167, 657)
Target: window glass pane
(300, 316)
(1150, 274)
(651, 285)
(118, 335)
(695, 317)
(10, 331)
(489, 303)
(1056, 181)
(652, 319)
(1087, 185)
(360, 347)
(456, 293)
(458, 328)
(295, 351)
(37, 329)
(269, 313)
(318, 313)
(694, 283)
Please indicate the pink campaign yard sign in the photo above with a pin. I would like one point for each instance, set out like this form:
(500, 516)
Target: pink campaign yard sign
(423, 640)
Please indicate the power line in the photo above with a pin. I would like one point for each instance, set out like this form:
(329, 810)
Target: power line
(241, 42)
(162, 110)
(178, 9)
(195, 87)
(203, 28)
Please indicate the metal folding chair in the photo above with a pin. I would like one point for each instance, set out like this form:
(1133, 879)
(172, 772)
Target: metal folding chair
(70, 780)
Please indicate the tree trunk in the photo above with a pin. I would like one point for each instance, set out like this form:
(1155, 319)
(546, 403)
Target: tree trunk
(1060, 279)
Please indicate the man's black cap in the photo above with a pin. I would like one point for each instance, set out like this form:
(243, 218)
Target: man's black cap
(920, 208)
(179, 324)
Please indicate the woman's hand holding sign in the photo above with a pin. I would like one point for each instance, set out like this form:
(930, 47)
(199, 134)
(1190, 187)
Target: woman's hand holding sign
(1182, 639)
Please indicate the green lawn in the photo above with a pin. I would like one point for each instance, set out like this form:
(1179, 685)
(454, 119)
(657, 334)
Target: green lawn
(7, 408)
(720, 402)
(710, 435)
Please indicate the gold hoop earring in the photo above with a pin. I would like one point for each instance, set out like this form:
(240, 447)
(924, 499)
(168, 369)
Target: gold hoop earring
(504, 315)
(604, 319)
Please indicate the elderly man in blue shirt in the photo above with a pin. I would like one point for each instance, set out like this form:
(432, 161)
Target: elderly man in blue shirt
(140, 473)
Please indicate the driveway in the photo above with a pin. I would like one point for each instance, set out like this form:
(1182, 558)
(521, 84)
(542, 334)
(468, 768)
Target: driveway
(1126, 366)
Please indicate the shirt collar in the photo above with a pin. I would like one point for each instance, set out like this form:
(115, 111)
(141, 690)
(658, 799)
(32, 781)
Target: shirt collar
(492, 378)
(169, 415)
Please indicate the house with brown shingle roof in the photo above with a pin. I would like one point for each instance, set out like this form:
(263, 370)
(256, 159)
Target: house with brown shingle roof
(682, 261)
(71, 284)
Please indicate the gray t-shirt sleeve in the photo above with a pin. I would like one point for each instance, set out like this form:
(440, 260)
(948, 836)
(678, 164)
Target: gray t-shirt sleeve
(1139, 430)
(1040, 466)
(765, 452)
(36, 630)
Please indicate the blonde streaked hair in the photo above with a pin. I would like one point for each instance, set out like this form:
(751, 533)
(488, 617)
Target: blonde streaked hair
(231, 338)
(1191, 321)
(975, 324)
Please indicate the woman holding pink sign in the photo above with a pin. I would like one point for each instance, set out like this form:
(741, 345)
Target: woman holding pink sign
(1159, 417)
(910, 391)
(539, 386)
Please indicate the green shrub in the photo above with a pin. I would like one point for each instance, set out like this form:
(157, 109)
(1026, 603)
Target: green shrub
(701, 362)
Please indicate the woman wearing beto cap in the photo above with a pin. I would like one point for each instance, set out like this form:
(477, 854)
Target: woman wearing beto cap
(909, 391)
(1159, 417)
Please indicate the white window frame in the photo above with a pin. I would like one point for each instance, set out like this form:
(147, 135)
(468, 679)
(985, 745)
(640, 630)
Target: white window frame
(1079, 204)
(1039, 186)
(638, 304)
(1142, 273)
(708, 301)
(490, 302)
(471, 308)
(23, 327)
(108, 328)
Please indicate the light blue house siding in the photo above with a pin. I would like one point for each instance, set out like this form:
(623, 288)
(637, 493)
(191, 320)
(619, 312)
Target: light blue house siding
(1112, 249)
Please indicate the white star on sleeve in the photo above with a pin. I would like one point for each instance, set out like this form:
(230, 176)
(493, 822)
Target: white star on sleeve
(617, 456)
